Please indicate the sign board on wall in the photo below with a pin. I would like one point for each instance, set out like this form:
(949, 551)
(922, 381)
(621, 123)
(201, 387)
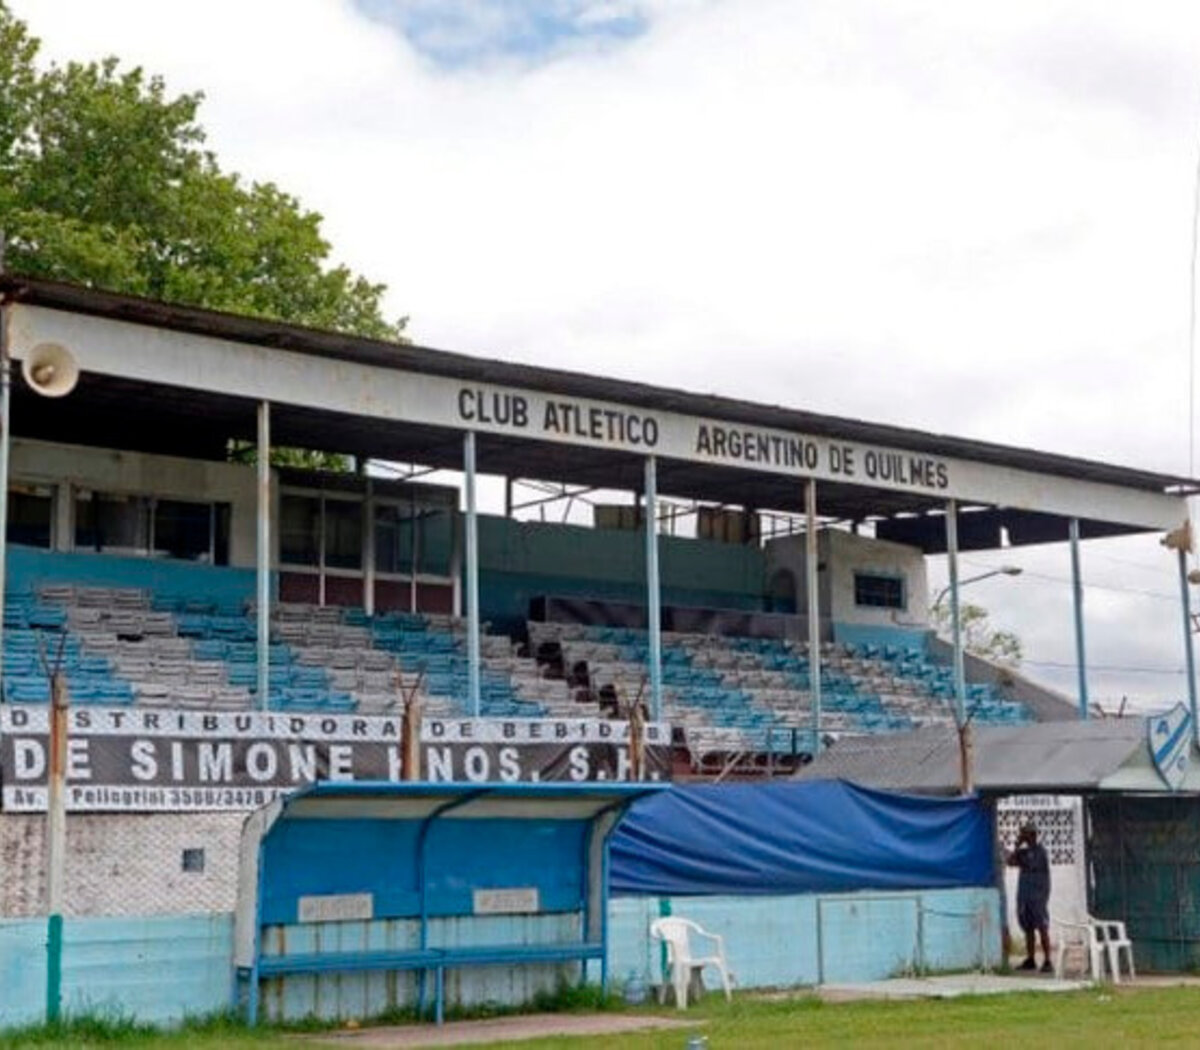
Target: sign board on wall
(141, 760)
(533, 750)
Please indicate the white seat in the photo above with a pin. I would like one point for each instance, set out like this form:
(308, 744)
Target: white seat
(1102, 939)
(1081, 934)
(1111, 934)
(677, 934)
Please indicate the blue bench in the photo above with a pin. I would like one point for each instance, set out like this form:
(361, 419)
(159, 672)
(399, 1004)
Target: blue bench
(424, 960)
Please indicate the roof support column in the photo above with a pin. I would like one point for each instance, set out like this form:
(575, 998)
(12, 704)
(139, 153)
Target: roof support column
(812, 589)
(5, 449)
(473, 683)
(960, 677)
(1077, 596)
(263, 554)
(1186, 597)
(653, 595)
(368, 546)
(414, 556)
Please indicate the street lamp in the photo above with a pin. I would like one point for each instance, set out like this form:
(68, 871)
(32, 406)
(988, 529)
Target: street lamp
(1004, 570)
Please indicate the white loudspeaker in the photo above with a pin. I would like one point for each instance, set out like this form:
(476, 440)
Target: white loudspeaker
(50, 369)
(1179, 539)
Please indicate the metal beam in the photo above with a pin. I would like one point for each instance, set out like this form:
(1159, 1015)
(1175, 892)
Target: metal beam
(1186, 596)
(813, 587)
(1077, 602)
(263, 554)
(960, 678)
(553, 497)
(653, 596)
(368, 547)
(5, 450)
(473, 670)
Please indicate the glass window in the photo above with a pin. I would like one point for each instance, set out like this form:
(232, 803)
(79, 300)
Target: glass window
(299, 530)
(343, 534)
(393, 539)
(185, 530)
(107, 522)
(880, 592)
(29, 517)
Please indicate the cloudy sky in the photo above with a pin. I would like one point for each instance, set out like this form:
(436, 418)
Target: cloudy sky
(965, 217)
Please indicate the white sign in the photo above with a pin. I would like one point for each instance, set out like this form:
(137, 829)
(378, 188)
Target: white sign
(199, 362)
(537, 731)
(337, 907)
(522, 900)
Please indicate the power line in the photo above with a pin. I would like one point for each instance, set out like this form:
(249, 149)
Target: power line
(1105, 668)
(1049, 578)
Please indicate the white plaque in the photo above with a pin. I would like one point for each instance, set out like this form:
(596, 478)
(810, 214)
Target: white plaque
(337, 907)
(515, 901)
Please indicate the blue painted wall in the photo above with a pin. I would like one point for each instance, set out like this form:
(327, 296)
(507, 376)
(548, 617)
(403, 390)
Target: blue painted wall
(784, 941)
(523, 560)
(868, 634)
(165, 968)
(28, 566)
(158, 969)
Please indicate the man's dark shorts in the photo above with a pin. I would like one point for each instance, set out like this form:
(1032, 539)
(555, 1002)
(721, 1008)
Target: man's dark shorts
(1033, 915)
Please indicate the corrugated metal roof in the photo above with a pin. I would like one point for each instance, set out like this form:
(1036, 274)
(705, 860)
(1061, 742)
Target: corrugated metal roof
(1050, 758)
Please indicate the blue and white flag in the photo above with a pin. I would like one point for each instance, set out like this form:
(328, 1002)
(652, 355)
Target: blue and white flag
(1170, 738)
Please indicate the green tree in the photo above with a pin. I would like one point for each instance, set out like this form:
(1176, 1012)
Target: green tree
(980, 638)
(105, 181)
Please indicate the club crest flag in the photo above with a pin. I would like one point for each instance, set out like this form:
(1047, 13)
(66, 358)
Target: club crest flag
(1170, 738)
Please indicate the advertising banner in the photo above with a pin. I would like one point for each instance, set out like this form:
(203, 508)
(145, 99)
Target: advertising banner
(143, 760)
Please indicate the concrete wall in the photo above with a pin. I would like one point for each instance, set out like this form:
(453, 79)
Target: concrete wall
(123, 864)
(523, 560)
(155, 969)
(811, 939)
(840, 555)
(1059, 821)
(72, 467)
(1046, 704)
(165, 968)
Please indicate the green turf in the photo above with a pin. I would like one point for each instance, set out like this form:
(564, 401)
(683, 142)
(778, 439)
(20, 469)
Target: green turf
(1081, 1019)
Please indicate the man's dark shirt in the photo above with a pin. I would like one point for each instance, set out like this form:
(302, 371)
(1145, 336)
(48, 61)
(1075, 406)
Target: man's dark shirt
(1033, 883)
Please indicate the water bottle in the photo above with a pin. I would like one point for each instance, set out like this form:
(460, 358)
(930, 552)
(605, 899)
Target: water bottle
(635, 989)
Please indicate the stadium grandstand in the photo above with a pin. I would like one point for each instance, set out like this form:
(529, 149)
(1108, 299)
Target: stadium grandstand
(197, 626)
(798, 610)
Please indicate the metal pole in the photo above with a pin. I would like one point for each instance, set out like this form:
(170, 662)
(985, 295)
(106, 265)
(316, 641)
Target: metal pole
(812, 586)
(1186, 596)
(653, 597)
(413, 557)
(56, 842)
(473, 685)
(1077, 594)
(369, 549)
(263, 554)
(960, 680)
(5, 447)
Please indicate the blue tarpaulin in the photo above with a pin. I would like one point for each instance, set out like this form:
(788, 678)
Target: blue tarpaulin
(810, 837)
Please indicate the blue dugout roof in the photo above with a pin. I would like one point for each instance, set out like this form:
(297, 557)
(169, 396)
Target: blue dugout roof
(416, 800)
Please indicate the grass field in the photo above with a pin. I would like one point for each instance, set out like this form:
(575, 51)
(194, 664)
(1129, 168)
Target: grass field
(1169, 1016)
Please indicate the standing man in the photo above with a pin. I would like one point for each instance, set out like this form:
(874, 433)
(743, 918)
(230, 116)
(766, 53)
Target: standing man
(1033, 895)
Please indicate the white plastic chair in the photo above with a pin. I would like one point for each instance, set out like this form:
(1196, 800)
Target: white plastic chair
(1112, 935)
(1103, 939)
(1083, 934)
(677, 934)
